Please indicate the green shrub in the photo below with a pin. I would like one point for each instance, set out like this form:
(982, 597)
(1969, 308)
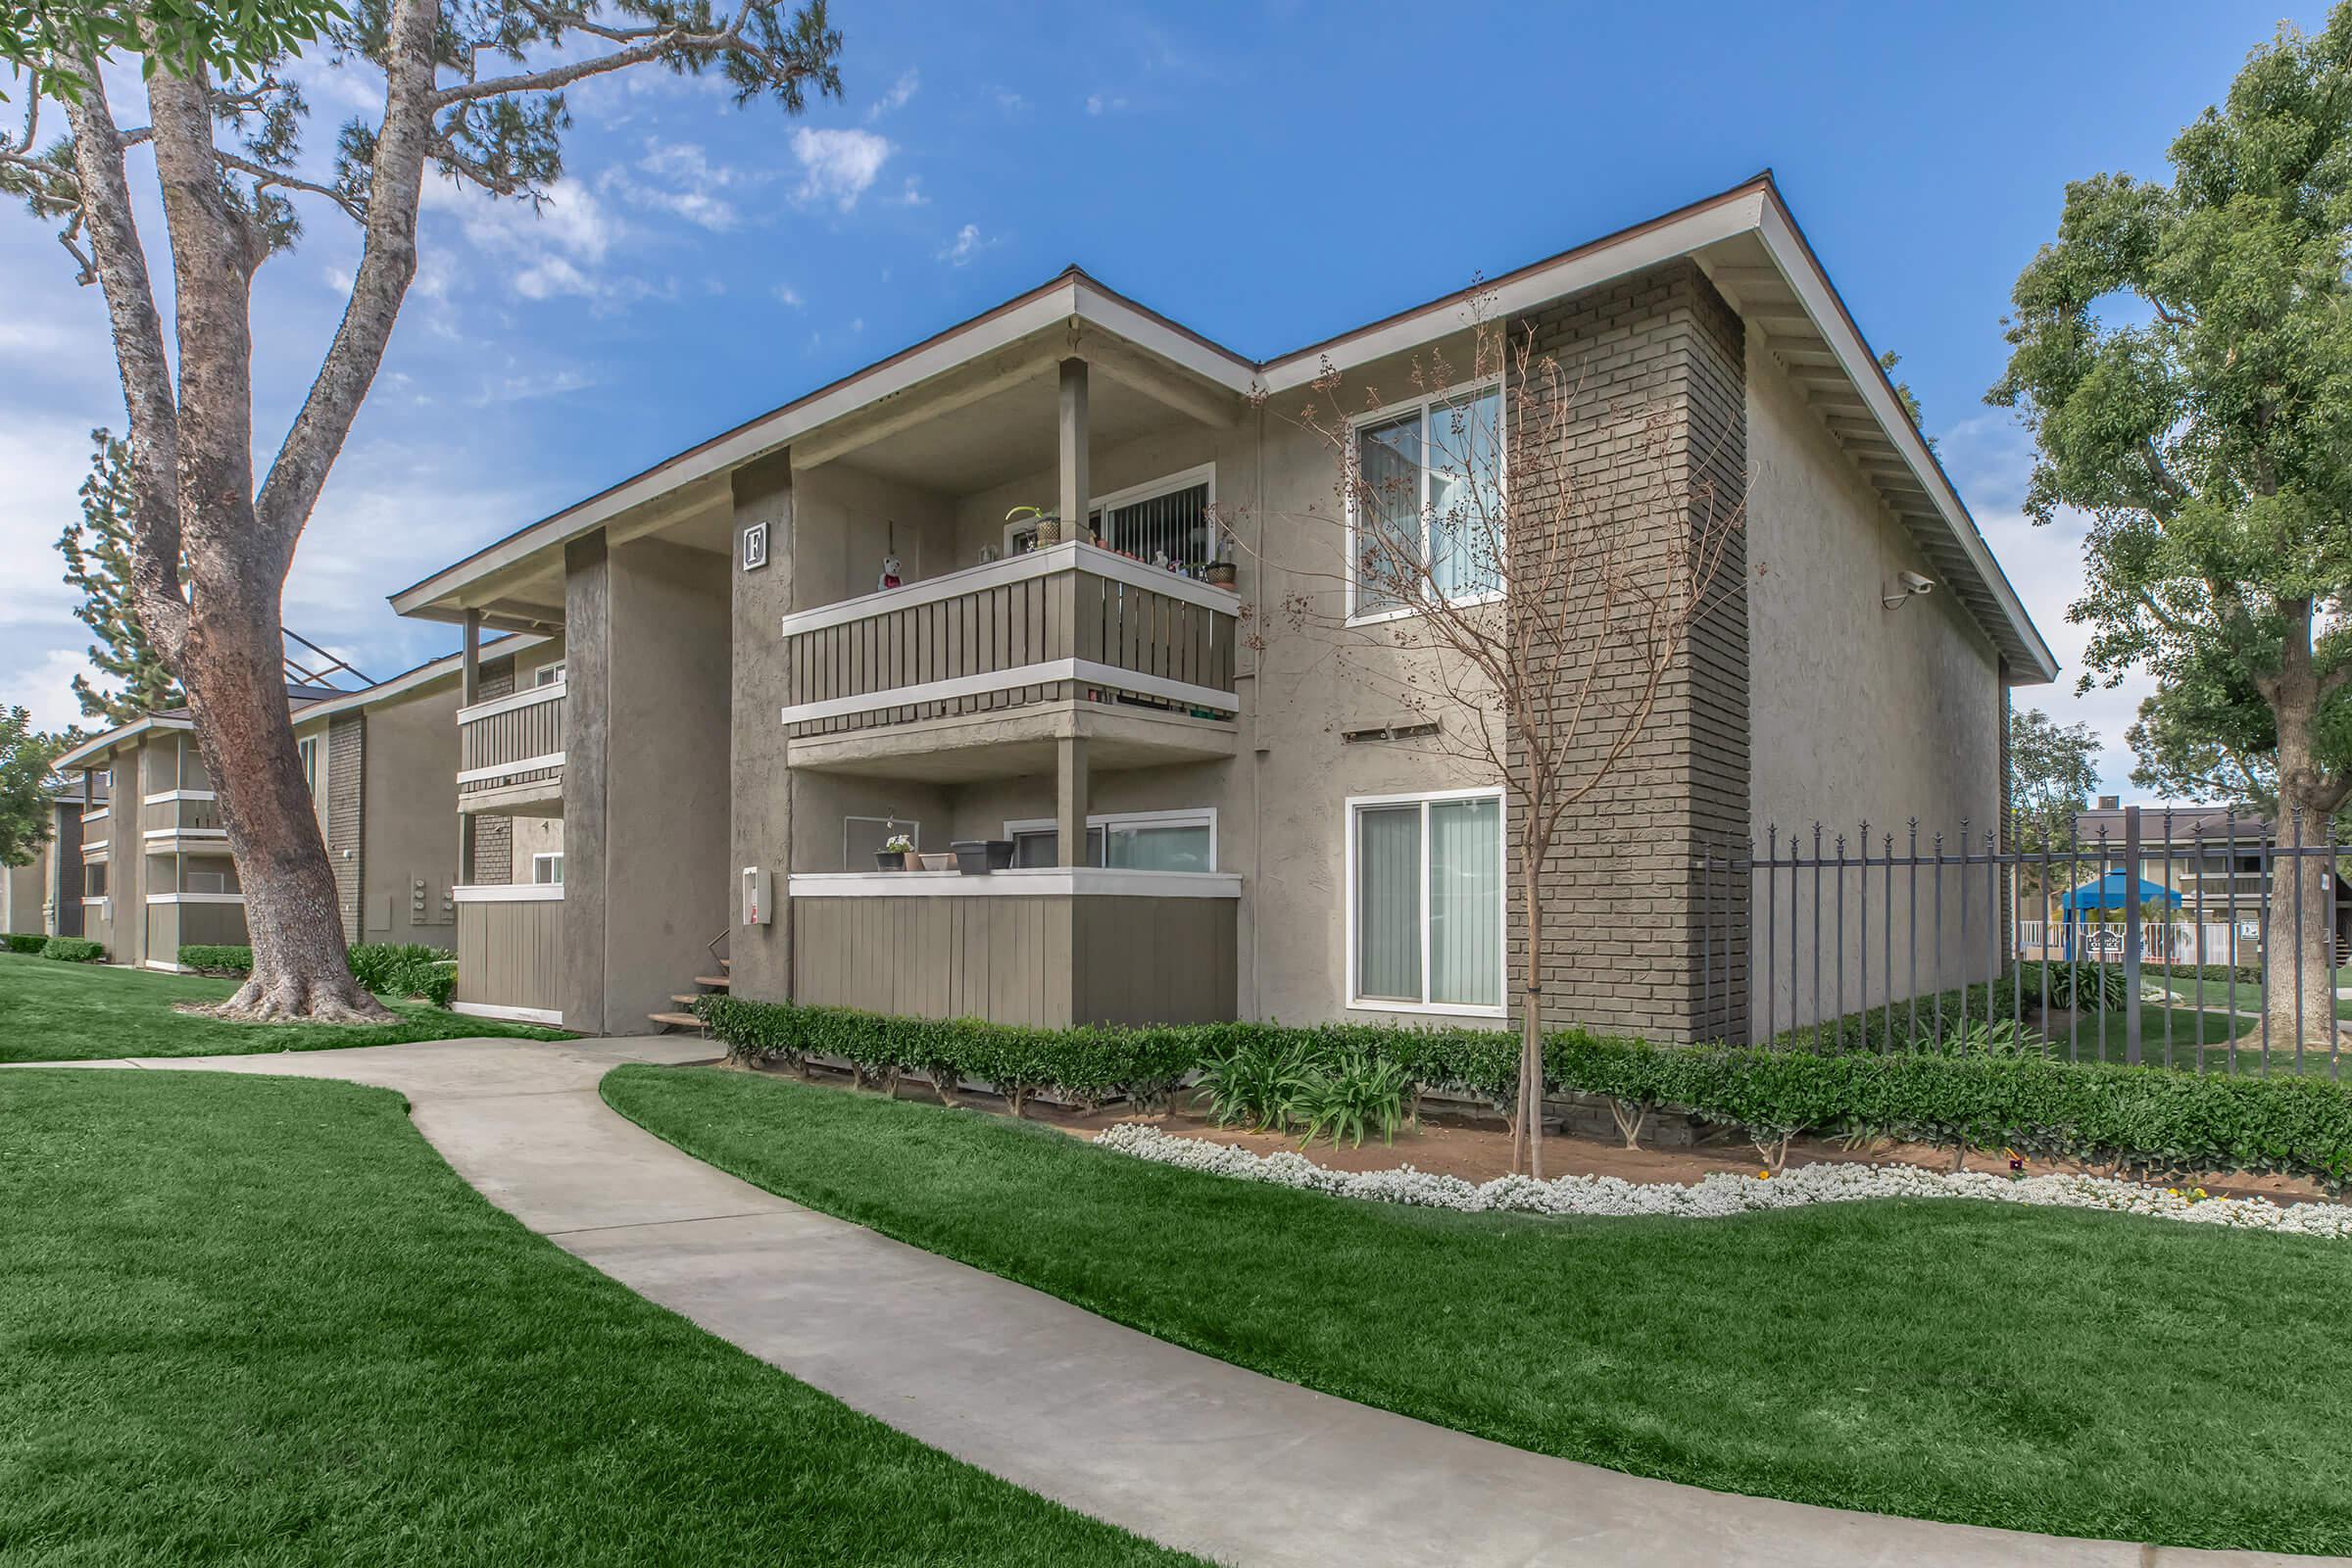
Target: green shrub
(1246, 1080)
(1981, 1086)
(73, 950)
(1356, 1093)
(388, 969)
(31, 942)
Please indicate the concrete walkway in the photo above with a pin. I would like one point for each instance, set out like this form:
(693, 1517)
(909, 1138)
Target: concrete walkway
(1177, 1447)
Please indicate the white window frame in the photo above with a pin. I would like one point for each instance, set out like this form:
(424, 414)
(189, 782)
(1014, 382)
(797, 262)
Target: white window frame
(1424, 798)
(548, 674)
(1165, 484)
(1185, 817)
(1382, 415)
(545, 856)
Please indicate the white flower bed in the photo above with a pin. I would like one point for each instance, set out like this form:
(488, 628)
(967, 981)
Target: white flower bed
(1722, 1193)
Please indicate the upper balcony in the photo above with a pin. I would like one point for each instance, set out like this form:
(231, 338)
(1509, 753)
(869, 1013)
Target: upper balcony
(510, 752)
(983, 669)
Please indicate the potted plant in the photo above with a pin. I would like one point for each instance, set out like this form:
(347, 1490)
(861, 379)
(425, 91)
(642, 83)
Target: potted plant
(979, 856)
(1222, 572)
(897, 854)
(1049, 524)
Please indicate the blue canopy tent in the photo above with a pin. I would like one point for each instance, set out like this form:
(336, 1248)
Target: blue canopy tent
(2112, 891)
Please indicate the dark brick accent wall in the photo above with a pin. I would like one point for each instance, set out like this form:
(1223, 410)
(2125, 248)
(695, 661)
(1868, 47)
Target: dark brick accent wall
(1634, 934)
(346, 777)
(494, 836)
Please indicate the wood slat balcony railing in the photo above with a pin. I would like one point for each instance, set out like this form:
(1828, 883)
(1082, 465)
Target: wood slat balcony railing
(1071, 622)
(512, 740)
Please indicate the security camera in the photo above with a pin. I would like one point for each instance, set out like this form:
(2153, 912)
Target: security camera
(1915, 586)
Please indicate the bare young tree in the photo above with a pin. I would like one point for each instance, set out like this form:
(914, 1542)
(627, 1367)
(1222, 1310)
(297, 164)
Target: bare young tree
(473, 92)
(1527, 613)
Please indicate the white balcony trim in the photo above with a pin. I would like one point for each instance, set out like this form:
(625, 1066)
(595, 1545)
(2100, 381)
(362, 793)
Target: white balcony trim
(508, 893)
(529, 764)
(549, 1016)
(1029, 883)
(94, 847)
(93, 814)
(527, 697)
(1014, 569)
(153, 833)
(1087, 670)
(160, 797)
(195, 898)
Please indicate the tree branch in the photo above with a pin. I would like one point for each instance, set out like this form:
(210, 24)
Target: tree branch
(264, 176)
(118, 262)
(388, 266)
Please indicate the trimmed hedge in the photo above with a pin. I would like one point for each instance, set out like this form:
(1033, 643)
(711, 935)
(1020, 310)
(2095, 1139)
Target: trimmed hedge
(31, 942)
(73, 950)
(1978, 1094)
(1088, 1065)
(388, 969)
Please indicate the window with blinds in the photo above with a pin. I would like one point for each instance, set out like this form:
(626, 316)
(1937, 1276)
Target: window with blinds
(1174, 524)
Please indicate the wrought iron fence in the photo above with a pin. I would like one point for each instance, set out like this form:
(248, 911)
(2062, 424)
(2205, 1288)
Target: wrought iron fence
(2163, 945)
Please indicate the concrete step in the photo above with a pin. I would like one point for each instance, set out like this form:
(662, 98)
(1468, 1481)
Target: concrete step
(675, 1020)
(726, 963)
(687, 998)
(715, 982)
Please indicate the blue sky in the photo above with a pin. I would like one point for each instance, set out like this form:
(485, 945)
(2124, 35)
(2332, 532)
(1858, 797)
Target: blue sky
(1267, 174)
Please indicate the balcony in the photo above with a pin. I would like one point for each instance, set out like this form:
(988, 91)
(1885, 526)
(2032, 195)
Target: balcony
(980, 671)
(511, 952)
(1048, 948)
(510, 752)
(182, 822)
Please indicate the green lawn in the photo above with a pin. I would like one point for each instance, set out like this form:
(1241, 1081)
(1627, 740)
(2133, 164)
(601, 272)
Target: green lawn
(2079, 1373)
(260, 1322)
(2242, 994)
(51, 1011)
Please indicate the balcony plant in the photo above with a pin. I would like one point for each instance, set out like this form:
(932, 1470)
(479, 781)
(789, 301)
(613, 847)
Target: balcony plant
(1048, 524)
(897, 854)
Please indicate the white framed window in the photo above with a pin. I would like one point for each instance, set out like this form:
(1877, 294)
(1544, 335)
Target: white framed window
(863, 838)
(547, 868)
(1169, 515)
(93, 879)
(1425, 492)
(1425, 902)
(1126, 840)
(312, 749)
(548, 674)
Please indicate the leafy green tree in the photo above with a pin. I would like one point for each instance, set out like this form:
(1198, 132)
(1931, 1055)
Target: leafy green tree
(469, 91)
(2053, 770)
(25, 758)
(1905, 396)
(98, 554)
(2182, 354)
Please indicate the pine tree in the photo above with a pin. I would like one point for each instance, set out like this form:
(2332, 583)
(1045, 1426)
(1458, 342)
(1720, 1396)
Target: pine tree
(98, 552)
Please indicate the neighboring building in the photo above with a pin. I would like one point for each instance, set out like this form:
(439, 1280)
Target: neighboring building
(154, 863)
(44, 896)
(1205, 828)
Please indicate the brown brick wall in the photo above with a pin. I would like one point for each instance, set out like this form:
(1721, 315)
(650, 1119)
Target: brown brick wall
(346, 776)
(494, 836)
(1634, 934)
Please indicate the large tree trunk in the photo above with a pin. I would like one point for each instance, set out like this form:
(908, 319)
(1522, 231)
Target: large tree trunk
(2299, 939)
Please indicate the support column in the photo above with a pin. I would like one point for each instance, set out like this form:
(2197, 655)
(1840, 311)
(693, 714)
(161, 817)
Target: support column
(1075, 487)
(469, 678)
(1070, 799)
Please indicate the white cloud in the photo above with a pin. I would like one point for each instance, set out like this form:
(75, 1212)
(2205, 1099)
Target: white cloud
(559, 250)
(966, 244)
(45, 460)
(689, 184)
(45, 688)
(837, 165)
(1012, 103)
(913, 195)
(1097, 103)
(786, 294)
(896, 99)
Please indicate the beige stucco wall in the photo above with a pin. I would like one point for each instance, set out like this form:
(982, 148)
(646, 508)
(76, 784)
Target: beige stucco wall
(1859, 713)
(409, 821)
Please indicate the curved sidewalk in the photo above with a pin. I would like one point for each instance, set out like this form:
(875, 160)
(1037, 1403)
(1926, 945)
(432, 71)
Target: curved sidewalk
(1175, 1445)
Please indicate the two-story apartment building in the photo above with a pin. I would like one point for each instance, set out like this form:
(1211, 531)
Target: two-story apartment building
(43, 896)
(154, 871)
(776, 651)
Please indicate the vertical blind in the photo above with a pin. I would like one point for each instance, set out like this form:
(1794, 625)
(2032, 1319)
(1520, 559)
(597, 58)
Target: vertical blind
(1451, 850)
(1175, 524)
(1431, 493)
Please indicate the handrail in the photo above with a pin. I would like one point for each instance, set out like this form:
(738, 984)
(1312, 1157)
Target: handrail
(1029, 564)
